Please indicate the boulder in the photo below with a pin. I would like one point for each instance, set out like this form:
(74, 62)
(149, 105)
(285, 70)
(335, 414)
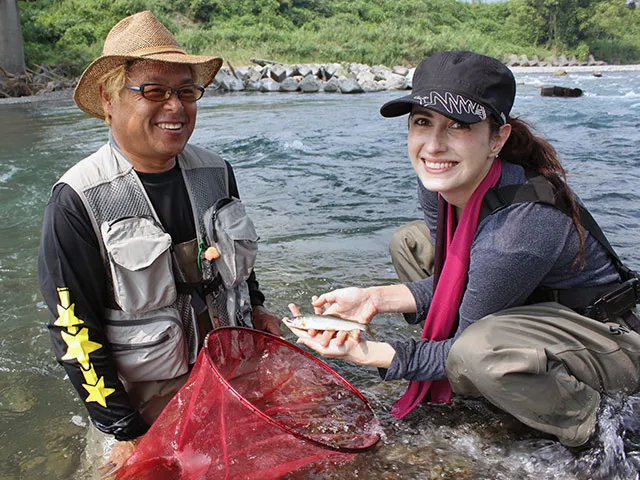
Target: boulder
(268, 85)
(333, 85)
(258, 73)
(304, 70)
(396, 82)
(310, 84)
(365, 75)
(349, 85)
(243, 73)
(356, 68)
(250, 73)
(291, 71)
(252, 85)
(291, 84)
(226, 82)
(399, 70)
(277, 72)
(557, 91)
(334, 69)
(370, 85)
(592, 61)
(380, 73)
(513, 60)
(315, 69)
(524, 61)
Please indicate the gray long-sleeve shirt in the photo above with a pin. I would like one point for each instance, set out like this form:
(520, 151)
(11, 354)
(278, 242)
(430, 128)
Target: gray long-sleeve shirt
(514, 251)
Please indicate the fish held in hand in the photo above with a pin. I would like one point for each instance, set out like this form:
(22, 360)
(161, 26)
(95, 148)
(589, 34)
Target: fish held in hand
(326, 322)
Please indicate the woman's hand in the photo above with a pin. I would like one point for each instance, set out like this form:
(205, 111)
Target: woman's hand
(351, 349)
(351, 303)
(344, 345)
(325, 336)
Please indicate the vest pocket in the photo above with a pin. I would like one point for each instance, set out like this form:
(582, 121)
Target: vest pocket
(140, 261)
(230, 229)
(149, 346)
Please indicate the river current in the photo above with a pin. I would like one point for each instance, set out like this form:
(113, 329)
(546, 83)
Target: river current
(326, 180)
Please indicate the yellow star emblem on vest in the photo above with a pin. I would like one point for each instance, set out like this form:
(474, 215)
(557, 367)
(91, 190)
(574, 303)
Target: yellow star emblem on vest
(98, 392)
(79, 347)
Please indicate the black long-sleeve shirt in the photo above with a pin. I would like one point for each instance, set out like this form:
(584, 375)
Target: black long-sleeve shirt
(72, 279)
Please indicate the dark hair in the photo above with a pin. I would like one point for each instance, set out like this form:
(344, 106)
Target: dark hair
(524, 148)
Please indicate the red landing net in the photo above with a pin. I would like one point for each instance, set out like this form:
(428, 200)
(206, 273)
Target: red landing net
(255, 407)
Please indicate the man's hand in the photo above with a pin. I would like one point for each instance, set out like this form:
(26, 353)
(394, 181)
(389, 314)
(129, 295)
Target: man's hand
(120, 453)
(266, 321)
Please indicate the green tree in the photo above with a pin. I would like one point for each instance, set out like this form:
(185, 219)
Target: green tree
(552, 22)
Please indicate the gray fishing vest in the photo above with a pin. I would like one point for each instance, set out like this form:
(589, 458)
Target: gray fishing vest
(149, 318)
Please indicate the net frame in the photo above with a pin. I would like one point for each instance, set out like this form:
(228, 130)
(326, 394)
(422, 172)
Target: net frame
(285, 343)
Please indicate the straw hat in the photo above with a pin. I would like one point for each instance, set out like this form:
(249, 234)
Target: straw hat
(140, 36)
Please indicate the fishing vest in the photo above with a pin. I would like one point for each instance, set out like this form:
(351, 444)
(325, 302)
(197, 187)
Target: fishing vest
(159, 294)
(603, 303)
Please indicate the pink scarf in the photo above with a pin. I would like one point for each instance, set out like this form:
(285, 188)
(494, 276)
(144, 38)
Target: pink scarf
(452, 266)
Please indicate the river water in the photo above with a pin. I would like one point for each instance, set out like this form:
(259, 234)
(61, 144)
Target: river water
(327, 180)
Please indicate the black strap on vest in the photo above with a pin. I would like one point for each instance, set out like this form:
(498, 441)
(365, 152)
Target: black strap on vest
(199, 292)
(602, 303)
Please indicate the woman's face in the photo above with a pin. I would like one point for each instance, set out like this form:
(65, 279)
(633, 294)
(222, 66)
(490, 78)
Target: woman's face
(449, 157)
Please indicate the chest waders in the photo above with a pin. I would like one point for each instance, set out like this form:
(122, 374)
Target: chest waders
(603, 303)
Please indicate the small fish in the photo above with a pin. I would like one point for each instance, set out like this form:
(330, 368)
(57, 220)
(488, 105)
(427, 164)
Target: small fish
(326, 322)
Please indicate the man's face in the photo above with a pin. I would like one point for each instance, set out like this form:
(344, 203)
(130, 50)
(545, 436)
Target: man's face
(150, 133)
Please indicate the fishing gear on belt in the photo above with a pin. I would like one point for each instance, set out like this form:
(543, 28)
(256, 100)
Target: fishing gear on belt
(604, 302)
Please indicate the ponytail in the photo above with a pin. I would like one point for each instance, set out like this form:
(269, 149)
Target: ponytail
(534, 153)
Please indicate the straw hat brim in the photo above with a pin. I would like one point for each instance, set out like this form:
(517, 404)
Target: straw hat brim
(87, 93)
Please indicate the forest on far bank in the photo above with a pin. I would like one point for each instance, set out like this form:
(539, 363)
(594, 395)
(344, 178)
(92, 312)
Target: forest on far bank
(387, 32)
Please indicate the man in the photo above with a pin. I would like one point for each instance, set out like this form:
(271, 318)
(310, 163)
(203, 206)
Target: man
(133, 262)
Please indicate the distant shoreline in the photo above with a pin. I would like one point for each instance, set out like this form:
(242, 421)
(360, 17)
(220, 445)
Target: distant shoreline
(578, 69)
(68, 92)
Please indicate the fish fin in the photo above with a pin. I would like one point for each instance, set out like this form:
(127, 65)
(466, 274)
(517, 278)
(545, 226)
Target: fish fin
(373, 337)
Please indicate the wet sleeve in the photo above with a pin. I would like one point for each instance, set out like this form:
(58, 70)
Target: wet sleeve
(72, 281)
(256, 296)
(527, 238)
(428, 202)
(422, 292)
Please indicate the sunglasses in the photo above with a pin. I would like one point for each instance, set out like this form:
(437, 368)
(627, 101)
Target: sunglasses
(156, 92)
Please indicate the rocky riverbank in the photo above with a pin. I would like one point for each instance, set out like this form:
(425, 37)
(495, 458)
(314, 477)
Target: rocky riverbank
(268, 76)
(350, 78)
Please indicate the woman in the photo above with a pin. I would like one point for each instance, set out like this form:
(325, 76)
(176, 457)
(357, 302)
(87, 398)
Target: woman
(519, 264)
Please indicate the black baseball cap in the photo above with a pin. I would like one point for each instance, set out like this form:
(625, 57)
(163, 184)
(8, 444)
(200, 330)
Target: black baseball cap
(464, 86)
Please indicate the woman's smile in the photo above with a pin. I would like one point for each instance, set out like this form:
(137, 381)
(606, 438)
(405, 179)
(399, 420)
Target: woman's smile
(438, 166)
